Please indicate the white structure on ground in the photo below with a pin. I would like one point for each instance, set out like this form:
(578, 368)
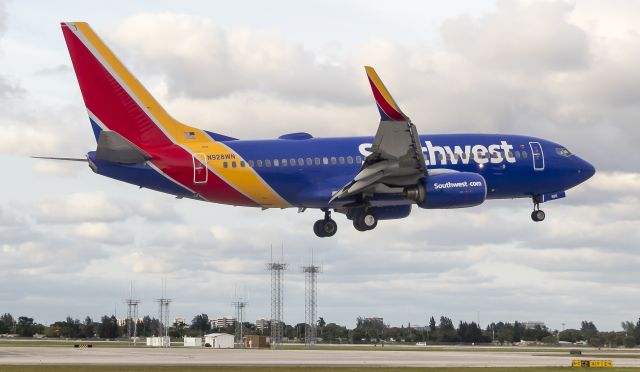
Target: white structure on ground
(163, 341)
(193, 342)
(219, 340)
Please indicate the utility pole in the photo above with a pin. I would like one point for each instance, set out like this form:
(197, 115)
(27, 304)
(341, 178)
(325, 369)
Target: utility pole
(277, 268)
(311, 305)
(163, 312)
(132, 317)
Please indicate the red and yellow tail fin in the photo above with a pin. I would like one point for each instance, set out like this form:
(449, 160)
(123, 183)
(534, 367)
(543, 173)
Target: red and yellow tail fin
(389, 109)
(115, 99)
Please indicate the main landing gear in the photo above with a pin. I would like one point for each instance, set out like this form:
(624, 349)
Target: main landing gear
(326, 227)
(365, 221)
(538, 214)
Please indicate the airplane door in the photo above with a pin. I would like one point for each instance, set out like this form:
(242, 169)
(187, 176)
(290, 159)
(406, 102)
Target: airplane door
(200, 173)
(537, 155)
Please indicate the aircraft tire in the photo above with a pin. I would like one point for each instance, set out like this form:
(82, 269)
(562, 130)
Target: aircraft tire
(365, 221)
(328, 227)
(357, 225)
(317, 228)
(538, 215)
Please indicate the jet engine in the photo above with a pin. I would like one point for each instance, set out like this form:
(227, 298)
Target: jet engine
(448, 190)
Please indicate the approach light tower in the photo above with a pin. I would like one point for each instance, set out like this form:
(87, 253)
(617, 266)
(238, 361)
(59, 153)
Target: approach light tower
(132, 316)
(310, 303)
(277, 269)
(163, 312)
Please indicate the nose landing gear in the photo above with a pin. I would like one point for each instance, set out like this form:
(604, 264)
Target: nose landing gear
(538, 214)
(326, 227)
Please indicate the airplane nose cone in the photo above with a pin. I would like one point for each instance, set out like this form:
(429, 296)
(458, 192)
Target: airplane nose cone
(586, 170)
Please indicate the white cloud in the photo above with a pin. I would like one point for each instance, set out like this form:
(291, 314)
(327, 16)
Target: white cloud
(81, 207)
(98, 206)
(102, 233)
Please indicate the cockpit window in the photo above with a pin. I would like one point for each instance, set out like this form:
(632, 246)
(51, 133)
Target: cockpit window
(563, 152)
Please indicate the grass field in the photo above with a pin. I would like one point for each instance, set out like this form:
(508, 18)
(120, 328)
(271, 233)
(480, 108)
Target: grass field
(68, 368)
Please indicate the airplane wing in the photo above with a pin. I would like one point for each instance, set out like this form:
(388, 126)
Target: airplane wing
(396, 157)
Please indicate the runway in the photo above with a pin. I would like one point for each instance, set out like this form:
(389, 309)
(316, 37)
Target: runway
(185, 356)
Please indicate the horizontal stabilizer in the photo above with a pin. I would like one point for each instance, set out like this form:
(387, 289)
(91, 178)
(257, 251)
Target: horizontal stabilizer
(54, 158)
(115, 148)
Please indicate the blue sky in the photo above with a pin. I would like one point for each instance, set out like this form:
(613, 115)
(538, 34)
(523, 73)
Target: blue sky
(71, 242)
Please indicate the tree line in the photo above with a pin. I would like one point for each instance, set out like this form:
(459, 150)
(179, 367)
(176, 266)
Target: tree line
(367, 330)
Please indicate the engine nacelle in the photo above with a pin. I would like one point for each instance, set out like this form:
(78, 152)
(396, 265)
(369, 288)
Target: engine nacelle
(449, 190)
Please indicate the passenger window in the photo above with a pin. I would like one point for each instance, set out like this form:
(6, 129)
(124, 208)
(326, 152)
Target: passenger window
(233, 164)
(259, 162)
(341, 159)
(241, 164)
(350, 159)
(292, 162)
(300, 161)
(251, 163)
(276, 162)
(225, 165)
(284, 162)
(267, 163)
(524, 154)
(334, 161)
(325, 160)
(316, 161)
(517, 153)
(358, 159)
(309, 161)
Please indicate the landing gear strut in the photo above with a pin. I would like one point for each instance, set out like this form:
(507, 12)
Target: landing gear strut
(326, 227)
(365, 221)
(538, 214)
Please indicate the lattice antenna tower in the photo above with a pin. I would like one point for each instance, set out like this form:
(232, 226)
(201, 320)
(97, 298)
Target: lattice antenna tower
(310, 302)
(240, 305)
(132, 316)
(163, 310)
(277, 268)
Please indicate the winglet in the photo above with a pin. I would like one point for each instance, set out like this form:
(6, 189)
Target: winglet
(389, 109)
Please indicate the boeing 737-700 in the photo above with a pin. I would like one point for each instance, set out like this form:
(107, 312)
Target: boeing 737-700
(366, 178)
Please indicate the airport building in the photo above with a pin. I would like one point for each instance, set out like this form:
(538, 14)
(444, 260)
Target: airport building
(123, 322)
(262, 324)
(223, 322)
(375, 319)
(178, 321)
(532, 324)
(219, 340)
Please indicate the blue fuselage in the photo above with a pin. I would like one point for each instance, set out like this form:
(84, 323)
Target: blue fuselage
(323, 172)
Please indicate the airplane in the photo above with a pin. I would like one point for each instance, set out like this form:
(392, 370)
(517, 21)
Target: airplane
(368, 179)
